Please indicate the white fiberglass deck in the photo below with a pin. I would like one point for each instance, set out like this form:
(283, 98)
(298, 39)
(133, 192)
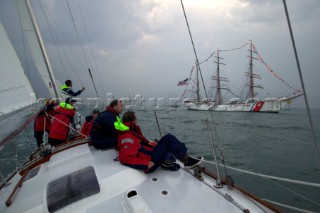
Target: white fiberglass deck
(161, 191)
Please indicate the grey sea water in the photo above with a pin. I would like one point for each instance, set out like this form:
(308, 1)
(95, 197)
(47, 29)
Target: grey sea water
(272, 144)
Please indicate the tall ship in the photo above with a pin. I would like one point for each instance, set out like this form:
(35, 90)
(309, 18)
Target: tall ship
(251, 102)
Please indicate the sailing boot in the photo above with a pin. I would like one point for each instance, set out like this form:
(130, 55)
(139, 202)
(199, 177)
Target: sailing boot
(190, 162)
(170, 165)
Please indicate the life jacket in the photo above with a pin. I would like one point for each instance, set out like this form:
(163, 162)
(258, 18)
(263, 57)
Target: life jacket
(67, 92)
(118, 125)
(86, 128)
(62, 118)
(134, 148)
(64, 91)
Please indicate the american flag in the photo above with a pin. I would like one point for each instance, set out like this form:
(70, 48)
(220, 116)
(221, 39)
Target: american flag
(183, 82)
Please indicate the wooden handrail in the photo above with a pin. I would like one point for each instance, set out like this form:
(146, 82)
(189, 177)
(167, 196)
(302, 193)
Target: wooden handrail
(15, 189)
(59, 148)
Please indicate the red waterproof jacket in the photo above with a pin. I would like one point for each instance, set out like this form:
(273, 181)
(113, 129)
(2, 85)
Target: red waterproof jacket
(134, 148)
(86, 128)
(60, 130)
(39, 121)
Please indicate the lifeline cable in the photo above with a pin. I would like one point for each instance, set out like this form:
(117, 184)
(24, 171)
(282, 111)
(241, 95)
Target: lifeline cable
(265, 176)
(302, 83)
(287, 206)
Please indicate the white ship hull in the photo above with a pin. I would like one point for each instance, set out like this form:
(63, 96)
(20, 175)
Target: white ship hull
(260, 106)
(199, 106)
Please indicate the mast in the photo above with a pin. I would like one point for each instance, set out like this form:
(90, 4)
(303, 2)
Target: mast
(197, 83)
(218, 79)
(251, 72)
(42, 47)
(252, 75)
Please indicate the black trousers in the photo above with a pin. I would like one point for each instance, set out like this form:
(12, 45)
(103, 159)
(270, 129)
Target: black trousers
(55, 142)
(39, 135)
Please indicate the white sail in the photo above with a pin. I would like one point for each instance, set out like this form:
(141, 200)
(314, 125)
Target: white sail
(15, 89)
(33, 44)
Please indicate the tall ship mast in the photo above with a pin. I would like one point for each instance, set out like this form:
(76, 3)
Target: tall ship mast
(197, 103)
(251, 75)
(218, 99)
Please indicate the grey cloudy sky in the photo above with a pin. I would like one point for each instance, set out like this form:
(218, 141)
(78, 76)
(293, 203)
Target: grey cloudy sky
(144, 47)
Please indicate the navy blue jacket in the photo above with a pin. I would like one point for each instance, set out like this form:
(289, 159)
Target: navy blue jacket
(103, 126)
(71, 92)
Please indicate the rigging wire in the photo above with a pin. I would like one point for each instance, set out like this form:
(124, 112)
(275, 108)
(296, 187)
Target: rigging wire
(274, 87)
(94, 58)
(302, 84)
(197, 61)
(23, 41)
(54, 42)
(78, 37)
(66, 53)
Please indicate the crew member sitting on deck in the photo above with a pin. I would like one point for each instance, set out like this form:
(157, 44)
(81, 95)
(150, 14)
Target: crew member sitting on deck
(138, 152)
(60, 127)
(86, 128)
(103, 133)
(67, 91)
(42, 121)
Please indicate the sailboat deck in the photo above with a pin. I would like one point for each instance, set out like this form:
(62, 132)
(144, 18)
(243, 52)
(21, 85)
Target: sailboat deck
(161, 191)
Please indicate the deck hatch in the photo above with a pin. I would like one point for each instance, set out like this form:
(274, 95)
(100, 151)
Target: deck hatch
(71, 188)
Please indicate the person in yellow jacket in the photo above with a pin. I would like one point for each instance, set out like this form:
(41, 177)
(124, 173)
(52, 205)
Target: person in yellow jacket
(67, 91)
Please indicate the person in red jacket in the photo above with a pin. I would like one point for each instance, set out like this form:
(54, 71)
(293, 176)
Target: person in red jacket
(42, 121)
(86, 128)
(138, 152)
(60, 127)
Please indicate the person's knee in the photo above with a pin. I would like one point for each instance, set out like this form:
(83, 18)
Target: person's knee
(168, 136)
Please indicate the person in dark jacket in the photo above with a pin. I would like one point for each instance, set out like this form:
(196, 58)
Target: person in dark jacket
(86, 128)
(67, 91)
(138, 152)
(42, 121)
(64, 114)
(103, 133)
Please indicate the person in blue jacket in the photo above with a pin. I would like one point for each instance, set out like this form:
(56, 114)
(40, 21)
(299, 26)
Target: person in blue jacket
(103, 133)
(67, 91)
